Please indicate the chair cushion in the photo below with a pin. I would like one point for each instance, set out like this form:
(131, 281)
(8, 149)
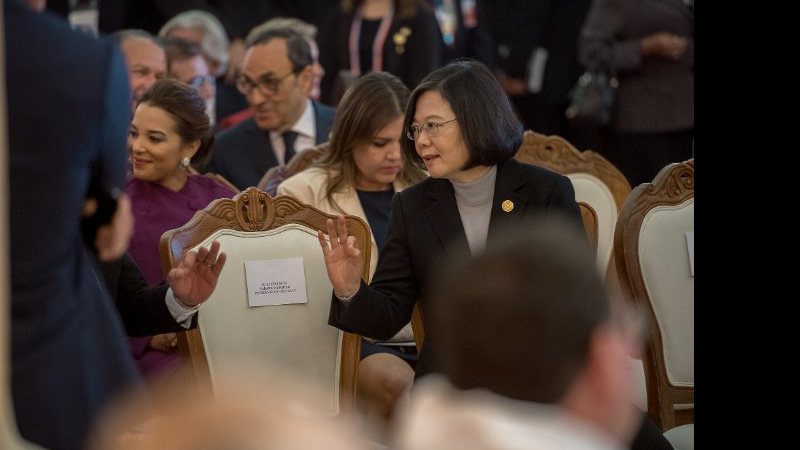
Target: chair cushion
(664, 259)
(234, 332)
(682, 437)
(595, 192)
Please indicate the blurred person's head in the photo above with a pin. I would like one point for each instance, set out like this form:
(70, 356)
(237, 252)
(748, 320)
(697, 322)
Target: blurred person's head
(277, 75)
(36, 5)
(530, 320)
(458, 120)
(186, 63)
(206, 31)
(305, 29)
(256, 411)
(170, 130)
(145, 58)
(364, 146)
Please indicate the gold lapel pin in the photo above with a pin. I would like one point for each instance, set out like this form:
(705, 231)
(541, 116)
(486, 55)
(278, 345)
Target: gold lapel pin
(507, 205)
(400, 38)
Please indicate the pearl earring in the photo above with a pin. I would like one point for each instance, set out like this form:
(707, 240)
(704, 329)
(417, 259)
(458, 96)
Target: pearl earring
(185, 162)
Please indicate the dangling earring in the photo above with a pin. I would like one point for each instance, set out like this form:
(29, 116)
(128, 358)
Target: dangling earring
(185, 162)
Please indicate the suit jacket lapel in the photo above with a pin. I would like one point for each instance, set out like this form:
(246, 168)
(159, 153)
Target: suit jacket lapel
(263, 156)
(442, 214)
(322, 124)
(506, 191)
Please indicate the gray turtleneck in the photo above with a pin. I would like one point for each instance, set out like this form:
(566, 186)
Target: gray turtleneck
(474, 200)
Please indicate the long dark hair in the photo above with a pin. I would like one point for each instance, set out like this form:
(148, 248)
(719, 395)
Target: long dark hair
(370, 103)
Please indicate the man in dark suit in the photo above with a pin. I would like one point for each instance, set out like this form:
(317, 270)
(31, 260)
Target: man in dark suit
(67, 130)
(277, 77)
(68, 354)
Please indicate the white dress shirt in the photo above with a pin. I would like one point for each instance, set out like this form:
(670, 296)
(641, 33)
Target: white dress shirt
(306, 129)
(182, 314)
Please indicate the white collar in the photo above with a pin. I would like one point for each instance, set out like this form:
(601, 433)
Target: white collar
(305, 125)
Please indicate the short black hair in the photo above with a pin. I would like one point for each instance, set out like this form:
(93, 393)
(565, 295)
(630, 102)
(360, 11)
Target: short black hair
(489, 126)
(297, 48)
(518, 319)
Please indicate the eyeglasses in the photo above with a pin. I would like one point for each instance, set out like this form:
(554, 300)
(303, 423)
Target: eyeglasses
(430, 128)
(200, 80)
(266, 85)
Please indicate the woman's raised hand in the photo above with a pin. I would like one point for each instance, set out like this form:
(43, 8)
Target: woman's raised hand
(342, 258)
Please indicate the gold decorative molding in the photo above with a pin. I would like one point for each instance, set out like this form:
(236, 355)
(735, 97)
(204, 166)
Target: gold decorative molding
(287, 206)
(555, 153)
(254, 210)
(673, 185)
(250, 211)
(224, 210)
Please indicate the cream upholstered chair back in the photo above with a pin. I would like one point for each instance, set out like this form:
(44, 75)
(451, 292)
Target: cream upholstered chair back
(653, 247)
(600, 188)
(293, 338)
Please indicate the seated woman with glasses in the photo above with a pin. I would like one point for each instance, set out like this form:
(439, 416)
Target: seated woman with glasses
(170, 130)
(359, 175)
(460, 126)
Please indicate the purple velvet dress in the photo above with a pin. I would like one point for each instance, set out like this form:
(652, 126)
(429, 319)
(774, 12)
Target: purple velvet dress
(157, 209)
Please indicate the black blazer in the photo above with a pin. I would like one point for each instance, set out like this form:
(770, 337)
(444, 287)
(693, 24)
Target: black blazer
(243, 153)
(143, 309)
(411, 59)
(425, 223)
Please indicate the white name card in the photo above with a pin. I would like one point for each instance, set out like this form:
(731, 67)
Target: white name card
(273, 282)
(536, 65)
(690, 245)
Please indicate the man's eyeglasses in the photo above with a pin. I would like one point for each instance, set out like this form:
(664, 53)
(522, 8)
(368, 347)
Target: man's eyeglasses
(200, 80)
(430, 128)
(266, 85)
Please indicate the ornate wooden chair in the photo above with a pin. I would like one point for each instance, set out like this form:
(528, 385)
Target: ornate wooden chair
(216, 177)
(294, 337)
(600, 188)
(275, 175)
(653, 262)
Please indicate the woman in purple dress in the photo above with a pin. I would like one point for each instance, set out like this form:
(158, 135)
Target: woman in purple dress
(169, 132)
